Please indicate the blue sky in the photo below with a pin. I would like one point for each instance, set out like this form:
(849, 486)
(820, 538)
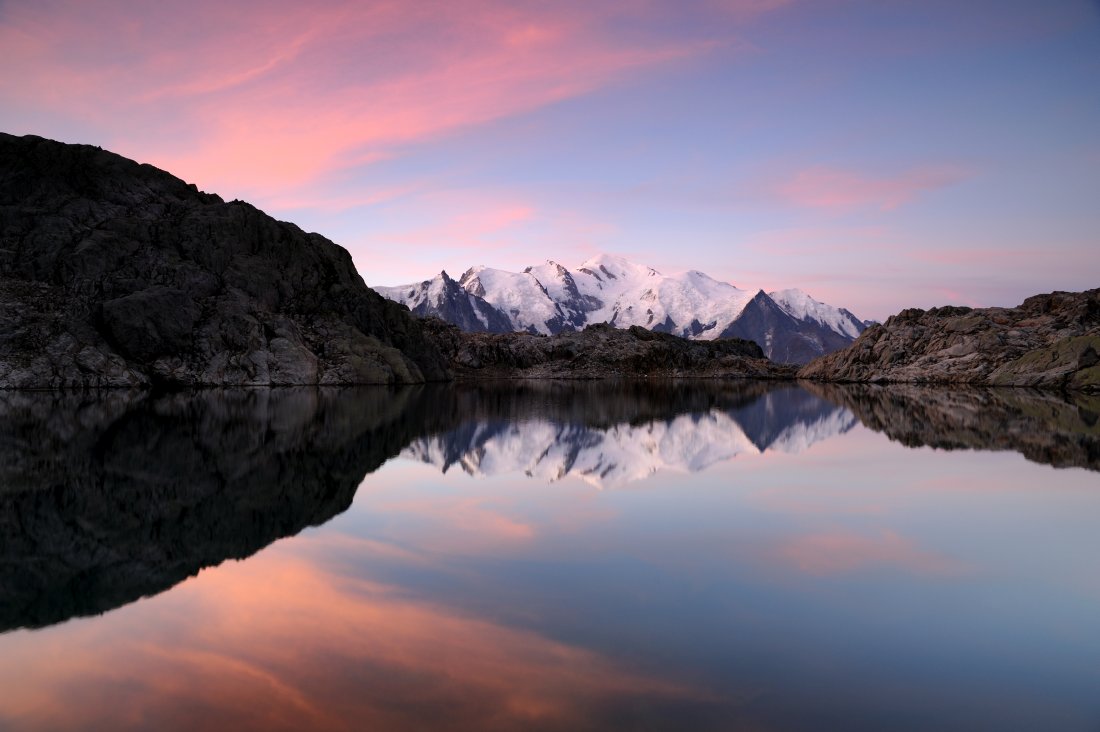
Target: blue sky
(879, 155)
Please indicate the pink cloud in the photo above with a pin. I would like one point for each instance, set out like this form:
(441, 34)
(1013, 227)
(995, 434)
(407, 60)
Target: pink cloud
(370, 658)
(841, 553)
(977, 256)
(835, 188)
(429, 230)
(749, 7)
(255, 99)
(467, 218)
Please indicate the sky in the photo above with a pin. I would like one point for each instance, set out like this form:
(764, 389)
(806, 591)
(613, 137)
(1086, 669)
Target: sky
(879, 154)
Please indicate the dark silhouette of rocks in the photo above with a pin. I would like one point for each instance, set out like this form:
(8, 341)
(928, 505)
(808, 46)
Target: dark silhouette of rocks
(1044, 426)
(107, 496)
(1050, 341)
(119, 274)
(599, 351)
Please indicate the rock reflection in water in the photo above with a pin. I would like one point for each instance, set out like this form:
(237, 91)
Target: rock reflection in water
(1062, 430)
(107, 497)
(858, 585)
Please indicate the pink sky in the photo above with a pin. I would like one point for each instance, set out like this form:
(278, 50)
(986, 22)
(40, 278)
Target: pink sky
(913, 157)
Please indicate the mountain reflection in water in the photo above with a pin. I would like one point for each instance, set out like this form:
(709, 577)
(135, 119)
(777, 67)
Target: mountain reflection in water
(614, 450)
(808, 583)
(107, 497)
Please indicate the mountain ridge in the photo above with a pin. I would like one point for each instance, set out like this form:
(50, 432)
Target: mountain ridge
(549, 298)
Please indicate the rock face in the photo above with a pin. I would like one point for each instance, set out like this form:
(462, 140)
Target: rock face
(444, 298)
(1045, 427)
(785, 338)
(599, 351)
(1050, 341)
(119, 274)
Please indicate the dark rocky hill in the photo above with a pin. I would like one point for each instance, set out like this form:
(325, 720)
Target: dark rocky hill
(117, 274)
(599, 351)
(1049, 341)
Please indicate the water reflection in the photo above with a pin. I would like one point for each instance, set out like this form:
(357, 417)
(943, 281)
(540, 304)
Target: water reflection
(853, 585)
(286, 644)
(108, 497)
(632, 432)
(1062, 430)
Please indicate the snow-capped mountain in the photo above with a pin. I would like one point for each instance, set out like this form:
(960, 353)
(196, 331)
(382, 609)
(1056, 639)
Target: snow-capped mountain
(617, 455)
(789, 324)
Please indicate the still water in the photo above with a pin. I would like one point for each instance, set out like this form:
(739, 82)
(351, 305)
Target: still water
(550, 556)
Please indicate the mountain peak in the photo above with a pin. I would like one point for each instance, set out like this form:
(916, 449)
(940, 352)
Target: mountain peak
(800, 306)
(549, 298)
(614, 267)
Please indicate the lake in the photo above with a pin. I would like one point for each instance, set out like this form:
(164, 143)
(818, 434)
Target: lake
(551, 556)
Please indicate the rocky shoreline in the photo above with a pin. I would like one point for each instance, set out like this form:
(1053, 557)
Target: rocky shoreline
(115, 274)
(1050, 341)
(597, 352)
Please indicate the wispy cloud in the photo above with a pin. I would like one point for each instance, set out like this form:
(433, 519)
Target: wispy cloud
(257, 98)
(838, 188)
(845, 552)
(370, 653)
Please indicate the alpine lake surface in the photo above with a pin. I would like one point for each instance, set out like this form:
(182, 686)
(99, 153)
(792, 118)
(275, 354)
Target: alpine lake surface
(688, 555)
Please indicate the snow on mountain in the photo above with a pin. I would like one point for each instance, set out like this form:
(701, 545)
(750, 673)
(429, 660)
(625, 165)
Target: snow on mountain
(801, 306)
(563, 289)
(444, 298)
(519, 295)
(605, 458)
(615, 456)
(549, 298)
(798, 437)
(691, 304)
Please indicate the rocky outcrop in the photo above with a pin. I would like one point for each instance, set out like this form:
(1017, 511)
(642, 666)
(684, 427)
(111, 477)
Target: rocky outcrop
(599, 351)
(119, 274)
(1050, 341)
(1045, 427)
